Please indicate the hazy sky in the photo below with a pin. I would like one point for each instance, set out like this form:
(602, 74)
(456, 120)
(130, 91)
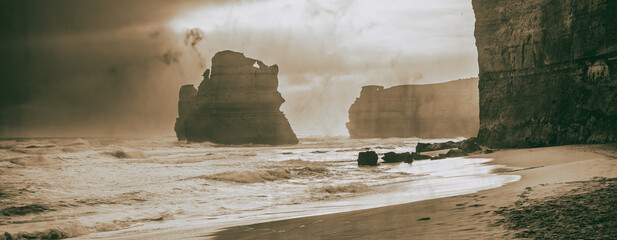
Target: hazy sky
(115, 67)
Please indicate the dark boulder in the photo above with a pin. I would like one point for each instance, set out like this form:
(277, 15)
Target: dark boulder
(427, 147)
(417, 156)
(368, 158)
(469, 145)
(450, 154)
(392, 157)
(456, 153)
(421, 146)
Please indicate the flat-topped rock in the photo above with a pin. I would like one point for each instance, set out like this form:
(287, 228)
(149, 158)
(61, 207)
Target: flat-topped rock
(443, 110)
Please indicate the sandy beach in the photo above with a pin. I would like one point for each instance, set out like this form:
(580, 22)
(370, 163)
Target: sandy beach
(545, 172)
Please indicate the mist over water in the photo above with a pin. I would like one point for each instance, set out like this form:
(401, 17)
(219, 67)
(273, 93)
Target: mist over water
(118, 187)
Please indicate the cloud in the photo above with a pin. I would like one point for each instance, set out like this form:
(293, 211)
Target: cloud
(113, 73)
(101, 67)
(78, 16)
(193, 36)
(319, 84)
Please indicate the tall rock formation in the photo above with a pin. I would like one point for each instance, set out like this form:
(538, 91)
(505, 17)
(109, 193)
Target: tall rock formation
(427, 111)
(236, 103)
(548, 72)
(186, 106)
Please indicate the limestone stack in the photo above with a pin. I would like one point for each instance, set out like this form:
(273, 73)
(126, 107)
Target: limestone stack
(236, 103)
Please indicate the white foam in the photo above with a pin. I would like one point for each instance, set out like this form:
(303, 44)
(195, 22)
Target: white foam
(214, 185)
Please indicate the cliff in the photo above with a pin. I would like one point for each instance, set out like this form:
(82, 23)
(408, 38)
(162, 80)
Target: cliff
(427, 111)
(547, 72)
(236, 103)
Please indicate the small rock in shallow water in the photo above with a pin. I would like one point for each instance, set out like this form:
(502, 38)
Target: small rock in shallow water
(456, 153)
(427, 147)
(452, 153)
(421, 146)
(392, 157)
(120, 154)
(417, 156)
(368, 158)
(469, 145)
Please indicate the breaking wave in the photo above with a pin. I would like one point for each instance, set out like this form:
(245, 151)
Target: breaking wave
(70, 229)
(355, 187)
(120, 154)
(291, 169)
(105, 184)
(34, 161)
(308, 166)
(250, 176)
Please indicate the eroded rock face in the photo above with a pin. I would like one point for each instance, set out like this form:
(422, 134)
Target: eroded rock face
(547, 72)
(186, 106)
(236, 103)
(428, 111)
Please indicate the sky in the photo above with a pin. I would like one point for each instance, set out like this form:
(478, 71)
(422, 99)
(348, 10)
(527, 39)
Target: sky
(114, 68)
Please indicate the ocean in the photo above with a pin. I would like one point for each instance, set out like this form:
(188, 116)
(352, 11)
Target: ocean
(102, 188)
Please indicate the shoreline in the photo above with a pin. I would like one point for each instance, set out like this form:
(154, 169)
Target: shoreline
(192, 227)
(463, 216)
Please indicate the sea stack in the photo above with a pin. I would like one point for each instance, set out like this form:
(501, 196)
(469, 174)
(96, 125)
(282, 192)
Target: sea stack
(236, 103)
(548, 72)
(440, 110)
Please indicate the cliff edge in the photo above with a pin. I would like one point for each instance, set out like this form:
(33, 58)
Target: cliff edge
(547, 72)
(236, 103)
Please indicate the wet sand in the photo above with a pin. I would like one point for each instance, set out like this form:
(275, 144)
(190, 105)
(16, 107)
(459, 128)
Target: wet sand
(545, 172)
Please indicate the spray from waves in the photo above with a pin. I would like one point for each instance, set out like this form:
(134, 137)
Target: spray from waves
(250, 176)
(307, 166)
(354, 187)
(329, 192)
(289, 169)
(122, 224)
(120, 154)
